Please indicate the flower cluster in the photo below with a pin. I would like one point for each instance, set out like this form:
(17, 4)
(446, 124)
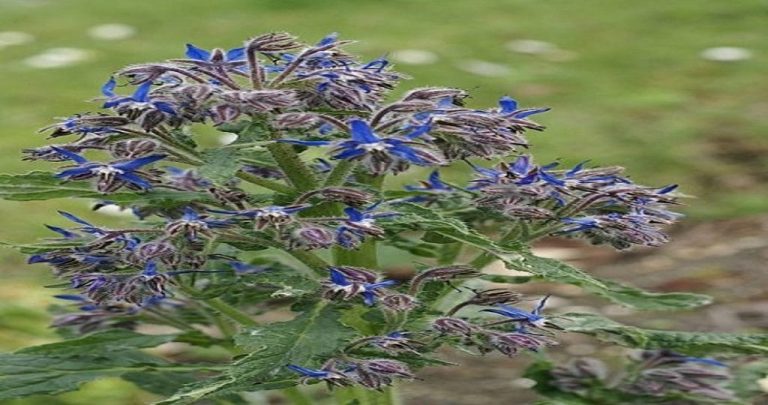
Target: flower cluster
(289, 215)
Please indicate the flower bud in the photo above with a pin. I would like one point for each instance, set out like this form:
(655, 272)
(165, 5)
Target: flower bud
(453, 326)
(399, 302)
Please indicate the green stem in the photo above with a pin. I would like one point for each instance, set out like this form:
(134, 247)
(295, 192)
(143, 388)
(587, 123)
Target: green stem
(231, 312)
(296, 396)
(268, 184)
(339, 173)
(302, 178)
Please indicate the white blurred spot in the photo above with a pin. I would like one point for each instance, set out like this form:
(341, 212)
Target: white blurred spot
(112, 32)
(726, 54)
(763, 383)
(523, 383)
(57, 57)
(10, 38)
(558, 253)
(115, 211)
(227, 138)
(531, 46)
(483, 68)
(414, 56)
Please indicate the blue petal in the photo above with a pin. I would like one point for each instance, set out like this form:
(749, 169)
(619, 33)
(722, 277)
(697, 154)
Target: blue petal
(353, 214)
(164, 107)
(419, 131)
(141, 94)
(668, 189)
(235, 54)
(108, 89)
(150, 269)
(376, 64)
(369, 298)
(74, 219)
(528, 112)
(349, 154)
(576, 169)
(134, 179)
(190, 214)
(196, 53)
(521, 165)
(338, 278)
(307, 372)
(380, 284)
(328, 39)
(434, 180)
(507, 104)
(305, 143)
(69, 297)
(63, 232)
(70, 155)
(77, 171)
(362, 132)
(134, 164)
(705, 360)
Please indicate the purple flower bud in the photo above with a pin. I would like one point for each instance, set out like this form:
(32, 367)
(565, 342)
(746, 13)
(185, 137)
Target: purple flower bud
(347, 195)
(494, 296)
(453, 326)
(132, 148)
(399, 302)
(357, 274)
(443, 274)
(311, 237)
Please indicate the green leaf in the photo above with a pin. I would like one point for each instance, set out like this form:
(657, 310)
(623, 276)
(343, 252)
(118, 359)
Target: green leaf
(517, 258)
(553, 270)
(101, 343)
(221, 165)
(692, 343)
(60, 367)
(45, 186)
(307, 340)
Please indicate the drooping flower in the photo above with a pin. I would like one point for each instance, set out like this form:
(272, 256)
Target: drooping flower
(110, 176)
(339, 286)
(533, 318)
(379, 154)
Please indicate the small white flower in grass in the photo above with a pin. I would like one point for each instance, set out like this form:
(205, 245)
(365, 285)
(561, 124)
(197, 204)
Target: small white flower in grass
(484, 68)
(726, 54)
(531, 47)
(414, 57)
(11, 38)
(57, 57)
(112, 32)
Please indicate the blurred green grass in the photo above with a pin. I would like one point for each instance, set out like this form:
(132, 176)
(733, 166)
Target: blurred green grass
(636, 92)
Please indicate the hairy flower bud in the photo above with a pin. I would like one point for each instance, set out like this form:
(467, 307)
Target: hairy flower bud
(443, 274)
(453, 326)
(311, 237)
(399, 302)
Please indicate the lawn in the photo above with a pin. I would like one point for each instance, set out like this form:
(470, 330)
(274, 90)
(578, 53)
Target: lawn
(626, 83)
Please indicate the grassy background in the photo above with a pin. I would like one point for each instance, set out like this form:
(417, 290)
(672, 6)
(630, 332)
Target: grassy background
(634, 93)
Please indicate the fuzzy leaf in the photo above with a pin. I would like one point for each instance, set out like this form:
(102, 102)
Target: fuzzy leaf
(306, 340)
(692, 343)
(63, 366)
(221, 165)
(44, 186)
(553, 270)
(517, 258)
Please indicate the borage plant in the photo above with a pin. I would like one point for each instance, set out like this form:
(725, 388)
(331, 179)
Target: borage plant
(292, 215)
